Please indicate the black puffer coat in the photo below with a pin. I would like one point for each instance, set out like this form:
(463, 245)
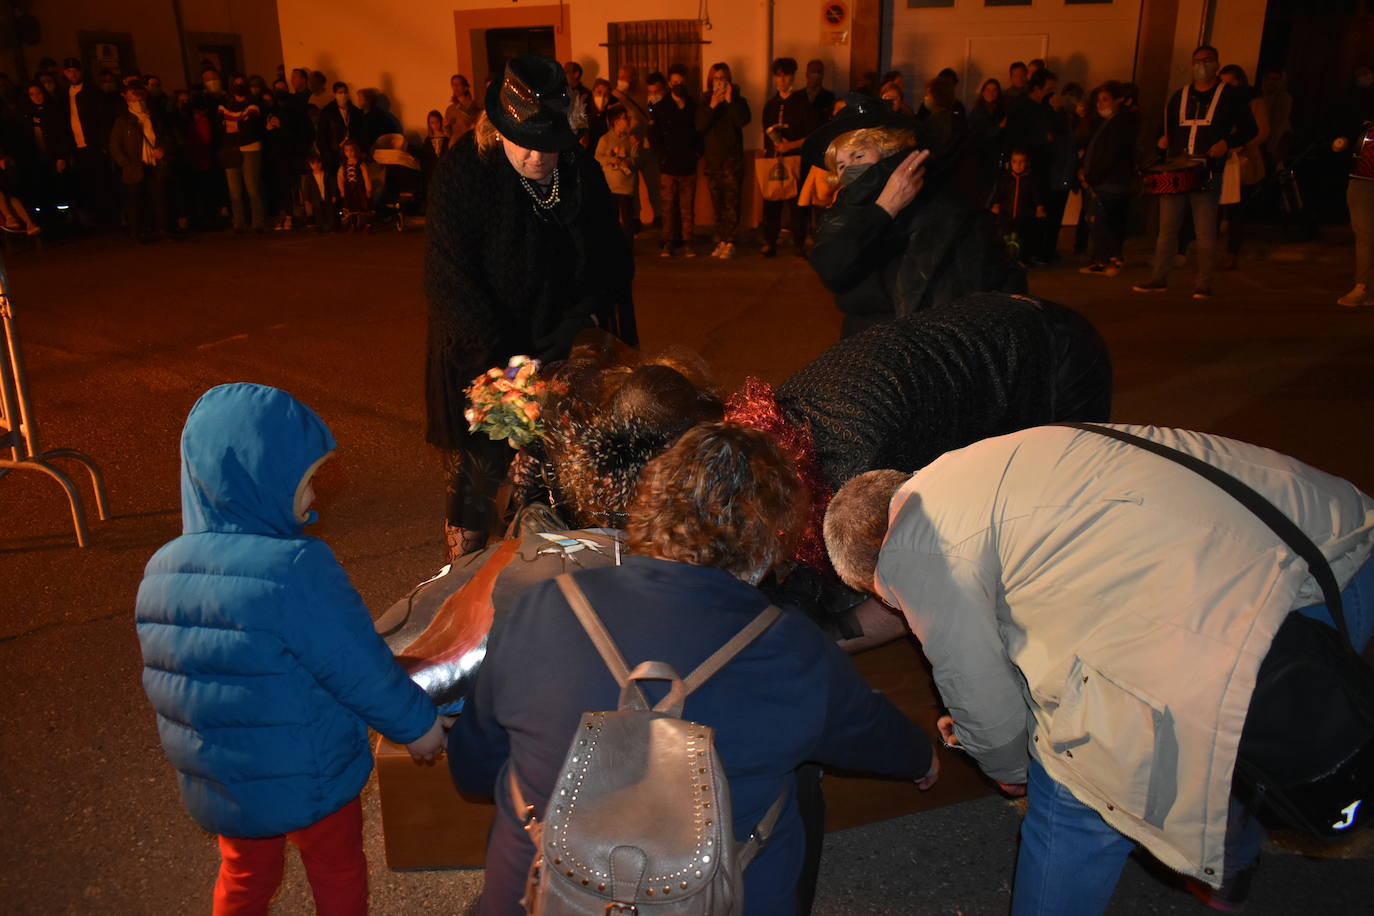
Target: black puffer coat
(504, 278)
(901, 394)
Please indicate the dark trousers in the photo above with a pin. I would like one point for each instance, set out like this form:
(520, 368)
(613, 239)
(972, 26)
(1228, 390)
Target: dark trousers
(679, 194)
(1028, 231)
(625, 207)
(147, 198)
(772, 222)
(811, 806)
(1238, 218)
(1056, 199)
(1110, 210)
(200, 194)
(92, 187)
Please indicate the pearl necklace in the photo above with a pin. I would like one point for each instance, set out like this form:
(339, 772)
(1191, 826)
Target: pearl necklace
(544, 203)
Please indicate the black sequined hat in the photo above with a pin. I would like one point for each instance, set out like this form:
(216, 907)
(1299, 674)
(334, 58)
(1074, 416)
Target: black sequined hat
(529, 104)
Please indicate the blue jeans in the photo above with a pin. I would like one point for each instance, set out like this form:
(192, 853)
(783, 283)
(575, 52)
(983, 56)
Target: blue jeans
(247, 179)
(1070, 858)
(1357, 603)
(1204, 206)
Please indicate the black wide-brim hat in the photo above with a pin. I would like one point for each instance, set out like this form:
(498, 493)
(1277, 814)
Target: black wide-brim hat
(529, 104)
(859, 111)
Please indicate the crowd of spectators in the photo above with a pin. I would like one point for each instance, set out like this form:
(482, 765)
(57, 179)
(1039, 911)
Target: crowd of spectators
(122, 151)
(235, 151)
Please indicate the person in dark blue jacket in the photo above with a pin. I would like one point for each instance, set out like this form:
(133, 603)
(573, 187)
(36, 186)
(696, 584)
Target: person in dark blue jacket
(711, 516)
(261, 660)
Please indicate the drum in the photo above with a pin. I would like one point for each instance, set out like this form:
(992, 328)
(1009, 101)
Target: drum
(1175, 176)
(1364, 154)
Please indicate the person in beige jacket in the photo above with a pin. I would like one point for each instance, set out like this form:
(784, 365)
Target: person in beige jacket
(1095, 616)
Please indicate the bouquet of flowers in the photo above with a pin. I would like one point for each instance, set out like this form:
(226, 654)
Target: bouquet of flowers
(507, 404)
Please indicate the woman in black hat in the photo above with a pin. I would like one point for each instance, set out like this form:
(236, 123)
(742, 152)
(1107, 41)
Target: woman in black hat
(905, 232)
(523, 252)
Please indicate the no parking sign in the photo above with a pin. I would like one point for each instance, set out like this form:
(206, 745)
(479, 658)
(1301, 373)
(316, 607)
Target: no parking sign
(834, 22)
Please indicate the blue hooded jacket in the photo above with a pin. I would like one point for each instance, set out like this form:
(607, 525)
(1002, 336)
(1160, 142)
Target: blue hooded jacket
(259, 657)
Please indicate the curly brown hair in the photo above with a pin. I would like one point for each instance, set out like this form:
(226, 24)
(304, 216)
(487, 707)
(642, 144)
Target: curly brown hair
(724, 496)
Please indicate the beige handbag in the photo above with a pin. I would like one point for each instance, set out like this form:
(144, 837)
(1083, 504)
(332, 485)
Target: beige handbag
(1230, 179)
(639, 820)
(779, 177)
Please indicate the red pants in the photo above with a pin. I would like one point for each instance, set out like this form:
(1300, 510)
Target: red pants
(331, 850)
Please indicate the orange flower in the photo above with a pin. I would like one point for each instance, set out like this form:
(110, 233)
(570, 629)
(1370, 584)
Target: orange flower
(532, 410)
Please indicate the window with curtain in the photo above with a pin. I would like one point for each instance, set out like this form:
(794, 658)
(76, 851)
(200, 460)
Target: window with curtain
(655, 45)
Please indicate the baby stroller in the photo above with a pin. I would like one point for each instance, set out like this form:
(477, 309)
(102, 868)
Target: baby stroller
(400, 186)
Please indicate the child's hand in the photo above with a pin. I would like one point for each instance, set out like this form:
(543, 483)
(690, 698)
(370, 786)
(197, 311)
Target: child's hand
(429, 747)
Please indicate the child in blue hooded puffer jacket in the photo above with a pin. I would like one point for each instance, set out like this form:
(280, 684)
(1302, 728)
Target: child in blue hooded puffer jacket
(262, 661)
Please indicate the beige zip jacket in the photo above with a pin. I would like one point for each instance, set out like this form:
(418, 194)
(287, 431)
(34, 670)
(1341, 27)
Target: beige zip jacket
(1105, 610)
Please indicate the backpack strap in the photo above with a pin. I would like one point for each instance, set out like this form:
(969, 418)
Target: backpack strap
(722, 656)
(601, 638)
(763, 830)
(1283, 526)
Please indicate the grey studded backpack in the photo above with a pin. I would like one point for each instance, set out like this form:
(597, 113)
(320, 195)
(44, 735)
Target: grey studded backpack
(639, 821)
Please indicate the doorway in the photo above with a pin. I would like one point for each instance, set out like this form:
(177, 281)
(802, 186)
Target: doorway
(503, 44)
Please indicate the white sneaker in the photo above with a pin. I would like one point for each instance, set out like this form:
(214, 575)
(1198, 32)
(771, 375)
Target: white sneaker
(728, 251)
(1356, 297)
(719, 249)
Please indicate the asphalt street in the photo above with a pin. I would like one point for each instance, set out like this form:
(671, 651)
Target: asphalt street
(121, 339)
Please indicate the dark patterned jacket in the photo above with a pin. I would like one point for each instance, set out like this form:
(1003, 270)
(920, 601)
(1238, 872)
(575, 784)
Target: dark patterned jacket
(504, 278)
(901, 394)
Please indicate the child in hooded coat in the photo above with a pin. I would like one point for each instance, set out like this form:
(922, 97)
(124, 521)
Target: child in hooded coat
(261, 660)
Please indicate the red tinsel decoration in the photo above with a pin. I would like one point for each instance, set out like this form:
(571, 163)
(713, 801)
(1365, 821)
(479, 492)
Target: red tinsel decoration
(756, 406)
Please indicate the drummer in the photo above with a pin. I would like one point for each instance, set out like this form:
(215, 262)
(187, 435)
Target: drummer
(1204, 121)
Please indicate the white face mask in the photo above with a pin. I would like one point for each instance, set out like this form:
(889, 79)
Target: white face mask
(1204, 70)
(655, 97)
(1104, 112)
(622, 85)
(213, 85)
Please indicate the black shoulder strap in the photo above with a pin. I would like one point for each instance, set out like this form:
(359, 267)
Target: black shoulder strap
(1267, 512)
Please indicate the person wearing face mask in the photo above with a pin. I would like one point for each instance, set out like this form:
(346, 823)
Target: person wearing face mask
(626, 93)
(523, 252)
(339, 121)
(1206, 119)
(903, 235)
(139, 143)
(598, 104)
(674, 135)
(721, 117)
(89, 115)
(1108, 173)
